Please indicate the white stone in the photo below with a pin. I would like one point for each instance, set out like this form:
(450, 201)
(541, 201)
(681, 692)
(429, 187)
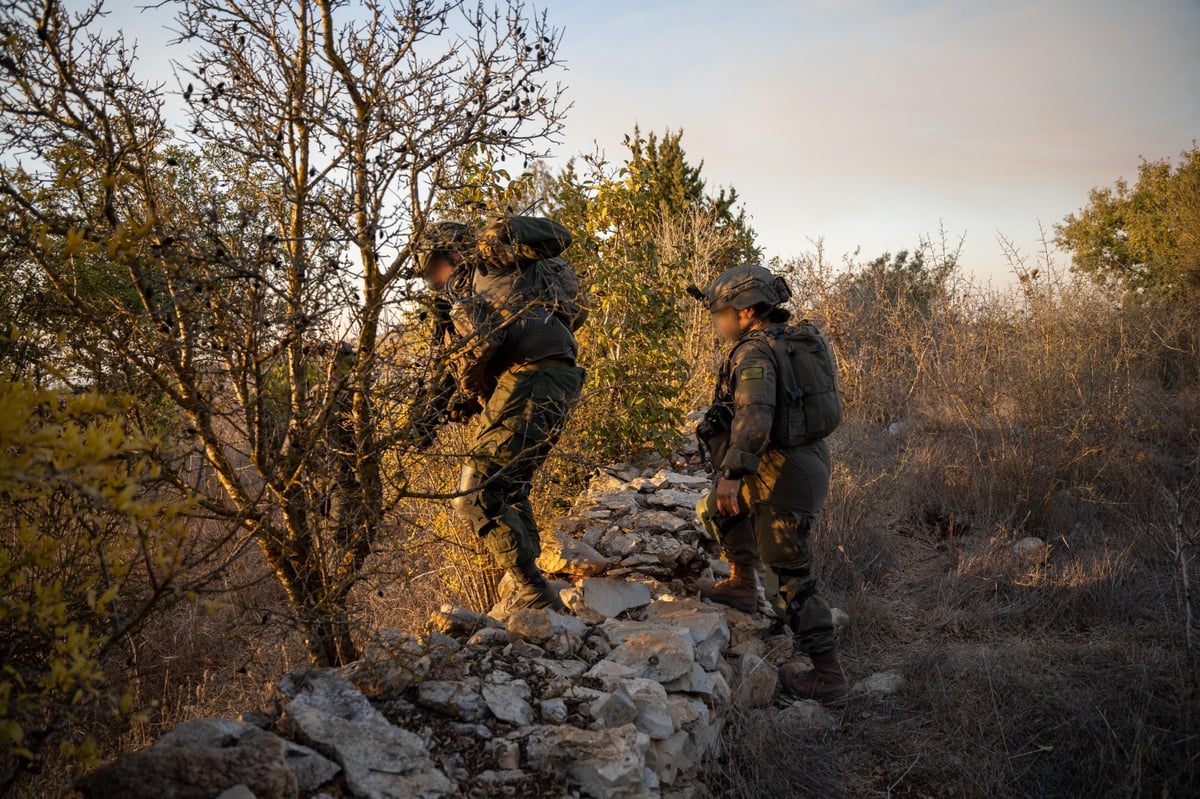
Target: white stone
(680, 480)
(705, 626)
(490, 636)
(695, 681)
(618, 544)
(329, 714)
(671, 498)
(807, 713)
(657, 654)
(612, 597)
(609, 673)
(659, 520)
(603, 764)
(452, 698)
(562, 554)
(614, 709)
(509, 702)
(573, 598)
(553, 711)
(1028, 546)
(757, 682)
(883, 683)
(540, 625)
(310, 768)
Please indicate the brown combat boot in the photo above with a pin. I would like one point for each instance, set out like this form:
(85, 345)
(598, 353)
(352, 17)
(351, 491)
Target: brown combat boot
(825, 681)
(740, 591)
(533, 591)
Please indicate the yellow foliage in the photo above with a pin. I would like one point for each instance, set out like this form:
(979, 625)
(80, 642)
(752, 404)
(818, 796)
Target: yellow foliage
(82, 540)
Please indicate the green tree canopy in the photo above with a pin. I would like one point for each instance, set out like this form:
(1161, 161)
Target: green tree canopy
(1145, 237)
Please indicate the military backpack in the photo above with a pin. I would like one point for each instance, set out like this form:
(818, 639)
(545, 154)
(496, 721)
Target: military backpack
(808, 406)
(535, 245)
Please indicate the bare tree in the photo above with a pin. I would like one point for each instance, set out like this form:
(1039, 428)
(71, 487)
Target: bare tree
(284, 218)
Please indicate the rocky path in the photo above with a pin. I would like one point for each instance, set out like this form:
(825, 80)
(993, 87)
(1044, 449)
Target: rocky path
(623, 699)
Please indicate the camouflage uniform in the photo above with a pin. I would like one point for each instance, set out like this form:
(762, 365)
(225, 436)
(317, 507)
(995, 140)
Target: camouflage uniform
(783, 490)
(519, 360)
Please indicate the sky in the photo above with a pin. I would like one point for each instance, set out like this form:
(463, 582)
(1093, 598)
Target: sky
(872, 123)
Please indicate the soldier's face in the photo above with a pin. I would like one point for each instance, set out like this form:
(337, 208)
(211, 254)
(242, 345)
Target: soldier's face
(727, 324)
(732, 324)
(439, 272)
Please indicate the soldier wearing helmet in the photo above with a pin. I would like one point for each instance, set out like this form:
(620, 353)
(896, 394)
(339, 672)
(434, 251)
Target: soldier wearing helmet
(771, 488)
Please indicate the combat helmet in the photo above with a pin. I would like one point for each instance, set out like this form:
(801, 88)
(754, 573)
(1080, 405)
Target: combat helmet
(440, 239)
(743, 287)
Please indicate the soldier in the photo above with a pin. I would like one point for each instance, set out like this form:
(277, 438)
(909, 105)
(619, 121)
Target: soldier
(447, 273)
(771, 488)
(515, 356)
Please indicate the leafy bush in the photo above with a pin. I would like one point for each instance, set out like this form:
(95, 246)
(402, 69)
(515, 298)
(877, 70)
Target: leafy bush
(87, 553)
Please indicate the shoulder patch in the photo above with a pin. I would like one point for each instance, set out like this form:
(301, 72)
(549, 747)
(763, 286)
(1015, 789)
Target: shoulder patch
(751, 373)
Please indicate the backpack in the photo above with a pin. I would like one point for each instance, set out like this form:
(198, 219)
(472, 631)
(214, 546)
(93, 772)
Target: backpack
(554, 284)
(522, 240)
(534, 245)
(808, 406)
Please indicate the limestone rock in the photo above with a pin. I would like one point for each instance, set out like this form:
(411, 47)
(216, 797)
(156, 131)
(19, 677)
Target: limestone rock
(1029, 547)
(560, 635)
(310, 768)
(757, 682)
(614, 709)
(509, 702)
(659, 520)
(456, 699)
(327, 713)
(654, 715)
(617, 544)
(540, 624)
(612, 597)
(455, 620)
(660, 655)
(883, 683)
(553, 711)
(194, 771)
(695, 681)
(673, 498)
(573, 599)
(666, 550)
(807, 713)
(684, 481)
(562, 554)
(705, 626)
(490, 636)
(603, 764)
(609, 673)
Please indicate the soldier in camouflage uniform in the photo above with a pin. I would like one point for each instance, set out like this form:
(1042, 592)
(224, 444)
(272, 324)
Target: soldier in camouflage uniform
(517, 359)
(768, 496)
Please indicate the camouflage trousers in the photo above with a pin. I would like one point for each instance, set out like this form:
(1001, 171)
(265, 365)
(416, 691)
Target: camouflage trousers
(779, 505)
(521, 424)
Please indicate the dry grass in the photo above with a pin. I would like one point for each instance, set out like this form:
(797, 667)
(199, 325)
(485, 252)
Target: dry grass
(974, 421)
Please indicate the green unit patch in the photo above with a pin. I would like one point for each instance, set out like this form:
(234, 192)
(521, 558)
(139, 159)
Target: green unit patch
(751, 373)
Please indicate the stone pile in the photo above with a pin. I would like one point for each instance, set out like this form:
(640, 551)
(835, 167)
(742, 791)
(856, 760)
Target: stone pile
(623, 699)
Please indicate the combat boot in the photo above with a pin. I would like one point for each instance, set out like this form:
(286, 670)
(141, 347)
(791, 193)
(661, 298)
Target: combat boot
(740, 591)
(824, 682)
(533, 591)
